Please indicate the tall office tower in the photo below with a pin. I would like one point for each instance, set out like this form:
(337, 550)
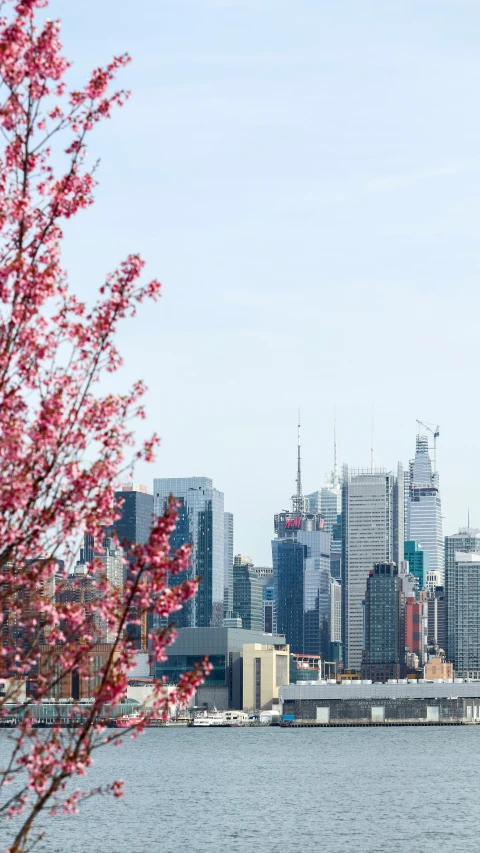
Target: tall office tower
(200, 523)
(416, 629)
(135, 525)
(247, 594)
(113, 559)
(463, 613)
(384, 653)
(301, 573)
(269, 610)
(424, 510)
(228, 563)
(110, 555)
(417, 560)
(466, 541)
(372, 532)
(436, 634)
(133, 528)
(335, 620)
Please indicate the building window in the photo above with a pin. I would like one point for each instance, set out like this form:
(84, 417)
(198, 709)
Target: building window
(281, 670)
(258, 683)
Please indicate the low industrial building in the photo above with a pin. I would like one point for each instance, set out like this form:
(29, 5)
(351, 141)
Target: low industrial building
(265, 670)
(436, 668)
(223, 688)
(402, 702)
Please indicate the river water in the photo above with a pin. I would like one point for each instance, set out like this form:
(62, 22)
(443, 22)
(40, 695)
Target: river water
(271, 790)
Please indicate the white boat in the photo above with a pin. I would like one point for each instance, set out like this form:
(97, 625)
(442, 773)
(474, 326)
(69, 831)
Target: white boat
(235, 718)
(209, 719)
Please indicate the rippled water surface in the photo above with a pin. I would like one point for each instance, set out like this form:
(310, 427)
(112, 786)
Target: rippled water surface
(281, 791)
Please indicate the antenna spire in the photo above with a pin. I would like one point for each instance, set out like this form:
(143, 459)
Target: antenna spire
(335, 463)
(372, 449)
(299, 463)
(468, 522)
(298, 503)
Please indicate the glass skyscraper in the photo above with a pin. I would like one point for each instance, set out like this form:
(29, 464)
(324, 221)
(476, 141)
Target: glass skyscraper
(463, 613)
(466, 541)
(201, 523)
(301, 573)
(135, 525)
(372, 532)
(423, 519)
(228, 564)
(384, 654)
(247, 594)
(327, 502)
(417, 562)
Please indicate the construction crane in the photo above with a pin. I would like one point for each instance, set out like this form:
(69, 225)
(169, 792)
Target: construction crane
(435, 430)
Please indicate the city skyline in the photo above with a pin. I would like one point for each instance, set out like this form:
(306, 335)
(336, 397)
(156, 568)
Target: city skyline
(302, 177)
(211, 213)
(330, 486)
(330, 482)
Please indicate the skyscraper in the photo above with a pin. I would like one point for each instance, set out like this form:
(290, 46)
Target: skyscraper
(423, 508)
(135, 525)
(372, 532)
(247, 594)
(417, 562)
(466, 541)
(384, 653)
(134, 528)
(109, 554)
(335, 620)
(463, 613)
(228, 563)
(416, 629)
(113, 562)
(436, 626)
(201, 523)
(269, 609)
(301, 572)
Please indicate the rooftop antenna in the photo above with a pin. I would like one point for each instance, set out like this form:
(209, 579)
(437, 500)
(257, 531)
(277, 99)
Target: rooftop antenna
(335, 463)
(299, 463)
(468, 518)
(298, 499)
(372, 449)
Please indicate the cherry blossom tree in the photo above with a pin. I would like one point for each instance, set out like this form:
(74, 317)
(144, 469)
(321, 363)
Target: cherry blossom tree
(64, 443)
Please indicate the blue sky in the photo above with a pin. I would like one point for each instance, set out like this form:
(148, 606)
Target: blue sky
(304, 179)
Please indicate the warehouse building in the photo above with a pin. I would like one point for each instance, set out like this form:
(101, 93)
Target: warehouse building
(360, 702)
(223, 688)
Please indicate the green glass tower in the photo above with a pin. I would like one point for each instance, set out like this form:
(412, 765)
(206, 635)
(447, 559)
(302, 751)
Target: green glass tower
(247, 594)
(417, 562)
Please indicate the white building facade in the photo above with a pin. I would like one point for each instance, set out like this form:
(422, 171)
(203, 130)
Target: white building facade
(424, 509)
(372, 532)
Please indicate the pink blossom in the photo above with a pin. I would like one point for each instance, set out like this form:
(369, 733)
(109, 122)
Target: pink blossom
(64, 443)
